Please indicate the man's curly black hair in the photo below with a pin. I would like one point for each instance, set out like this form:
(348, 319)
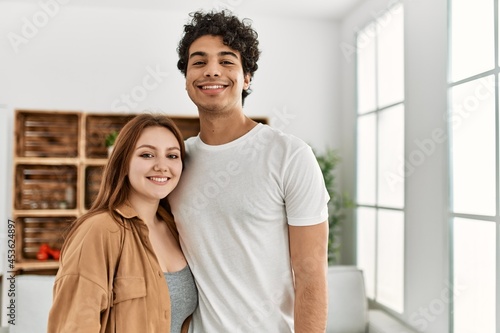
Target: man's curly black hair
(238, 35)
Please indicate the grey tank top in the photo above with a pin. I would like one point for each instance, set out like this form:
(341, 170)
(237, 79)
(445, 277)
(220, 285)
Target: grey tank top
(183, 296)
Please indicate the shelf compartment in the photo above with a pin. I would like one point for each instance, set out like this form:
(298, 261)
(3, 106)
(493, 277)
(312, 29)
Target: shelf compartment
(97, 127)
(34, 231)
(42, 134)
(45, 187)
(188, 126)
(93, 176)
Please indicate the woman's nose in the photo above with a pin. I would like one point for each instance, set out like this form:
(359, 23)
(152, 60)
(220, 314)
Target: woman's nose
(161, 166)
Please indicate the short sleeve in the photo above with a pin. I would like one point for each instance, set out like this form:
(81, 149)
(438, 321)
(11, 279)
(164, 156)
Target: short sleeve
(306, 197)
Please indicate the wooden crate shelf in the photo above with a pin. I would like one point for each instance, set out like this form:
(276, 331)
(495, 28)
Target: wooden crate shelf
(41, 134)
(97, 127)
(93, 176)
(33, 231)
(188, 126)
(48, 212)
(39, 267)
(58, 161)
(45, 186)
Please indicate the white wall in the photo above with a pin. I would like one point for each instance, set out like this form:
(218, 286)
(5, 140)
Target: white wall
(426, 256)
(75, 57)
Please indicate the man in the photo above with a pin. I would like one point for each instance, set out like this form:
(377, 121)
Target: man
(251, 206)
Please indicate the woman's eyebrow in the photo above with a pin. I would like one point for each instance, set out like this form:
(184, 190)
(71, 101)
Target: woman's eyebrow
(146, 146)
(153, 147)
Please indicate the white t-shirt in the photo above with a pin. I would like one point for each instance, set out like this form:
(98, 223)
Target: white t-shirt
(232, 207)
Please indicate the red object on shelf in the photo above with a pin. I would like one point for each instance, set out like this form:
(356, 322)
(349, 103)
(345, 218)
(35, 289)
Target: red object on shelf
(55, 254)
(45, 252)
(42, 255)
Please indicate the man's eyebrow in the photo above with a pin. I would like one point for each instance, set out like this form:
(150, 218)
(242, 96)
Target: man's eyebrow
(229, 53)
(197, 53)
(221, 54)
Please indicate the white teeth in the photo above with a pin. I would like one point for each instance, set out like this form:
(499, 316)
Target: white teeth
(157, 179)
(212, 87)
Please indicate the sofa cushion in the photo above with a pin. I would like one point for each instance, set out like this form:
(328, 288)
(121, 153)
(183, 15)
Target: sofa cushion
(347, 303)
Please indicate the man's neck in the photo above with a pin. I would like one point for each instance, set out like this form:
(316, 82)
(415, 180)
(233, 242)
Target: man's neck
(221, 129)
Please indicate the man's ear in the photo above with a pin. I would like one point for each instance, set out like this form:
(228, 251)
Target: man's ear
(247, 80)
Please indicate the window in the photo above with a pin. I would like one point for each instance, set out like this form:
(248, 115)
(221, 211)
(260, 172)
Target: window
(473, 150)
(380, 158)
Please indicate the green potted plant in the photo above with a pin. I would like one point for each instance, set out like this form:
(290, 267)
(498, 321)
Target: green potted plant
(339, 202)
(109, 141)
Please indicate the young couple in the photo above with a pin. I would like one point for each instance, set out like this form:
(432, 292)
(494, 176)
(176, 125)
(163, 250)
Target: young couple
(247, 219)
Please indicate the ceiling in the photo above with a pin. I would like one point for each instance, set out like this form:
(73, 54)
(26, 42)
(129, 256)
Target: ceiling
(329, 9)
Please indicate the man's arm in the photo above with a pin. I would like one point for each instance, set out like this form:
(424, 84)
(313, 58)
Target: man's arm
(308, 250)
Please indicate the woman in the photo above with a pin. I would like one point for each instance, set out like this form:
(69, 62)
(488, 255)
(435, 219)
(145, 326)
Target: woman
(118, 257)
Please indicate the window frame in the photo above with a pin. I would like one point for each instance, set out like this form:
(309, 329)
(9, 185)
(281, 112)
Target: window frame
(452, 215)
(376, 112)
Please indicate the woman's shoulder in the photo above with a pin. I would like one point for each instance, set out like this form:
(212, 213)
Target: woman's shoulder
(102, 222)
(92, 232)
(94, 241)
